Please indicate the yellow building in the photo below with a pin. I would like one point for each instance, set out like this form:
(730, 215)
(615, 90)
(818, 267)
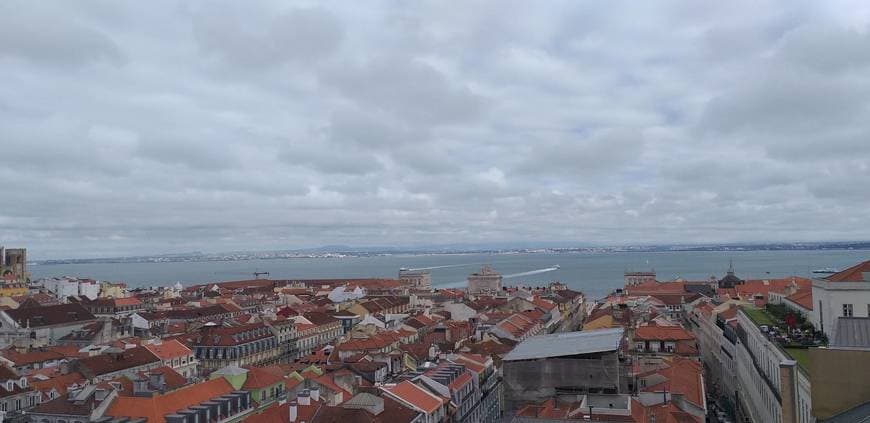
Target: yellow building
(113, 290)
(13, 289)
(603, 322)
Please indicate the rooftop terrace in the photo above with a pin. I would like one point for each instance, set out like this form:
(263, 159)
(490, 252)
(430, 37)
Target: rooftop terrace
(789, 330)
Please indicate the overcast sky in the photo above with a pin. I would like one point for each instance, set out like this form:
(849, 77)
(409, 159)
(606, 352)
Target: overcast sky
(147, 127)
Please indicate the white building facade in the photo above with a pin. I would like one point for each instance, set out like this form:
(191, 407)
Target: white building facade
(771, 387)
(843, 294)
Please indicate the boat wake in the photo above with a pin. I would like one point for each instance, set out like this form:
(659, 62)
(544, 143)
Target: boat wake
(461, 284)
(444, 266)
(531, 272)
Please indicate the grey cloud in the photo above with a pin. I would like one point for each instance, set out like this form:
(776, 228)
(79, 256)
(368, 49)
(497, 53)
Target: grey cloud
(204, 151)
(52, 37)
(407, 88)
(129, 129)
(329, 158)
(826, 48)
(263, 40)
(606, 150)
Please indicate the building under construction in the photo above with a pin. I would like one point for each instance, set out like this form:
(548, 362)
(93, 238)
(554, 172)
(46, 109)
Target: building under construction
(564, 365)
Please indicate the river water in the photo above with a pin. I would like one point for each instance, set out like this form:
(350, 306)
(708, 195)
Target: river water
(596, 274)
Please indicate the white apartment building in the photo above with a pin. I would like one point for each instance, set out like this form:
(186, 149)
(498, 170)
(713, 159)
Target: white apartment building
(64, 287)
(843, 294)
(714, 328)
(771, 387)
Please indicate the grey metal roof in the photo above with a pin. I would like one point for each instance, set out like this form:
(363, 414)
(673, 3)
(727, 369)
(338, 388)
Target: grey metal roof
(231, 370)
(852, 332)
(859, 414)
(364, 399)
(569, 343)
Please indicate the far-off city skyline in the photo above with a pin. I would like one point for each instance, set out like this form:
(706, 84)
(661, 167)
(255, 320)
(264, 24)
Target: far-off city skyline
(141, 128)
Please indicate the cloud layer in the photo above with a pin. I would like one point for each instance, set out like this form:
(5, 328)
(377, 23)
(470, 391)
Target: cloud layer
(130, 128)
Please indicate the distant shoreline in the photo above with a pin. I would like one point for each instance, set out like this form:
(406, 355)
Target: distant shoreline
(291, 255)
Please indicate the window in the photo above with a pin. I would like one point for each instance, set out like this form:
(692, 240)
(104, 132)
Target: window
(847, 310)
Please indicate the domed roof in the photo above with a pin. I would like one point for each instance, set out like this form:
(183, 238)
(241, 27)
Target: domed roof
(730, 280)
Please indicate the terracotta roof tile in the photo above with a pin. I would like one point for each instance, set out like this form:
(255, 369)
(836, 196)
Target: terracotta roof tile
(852, 274)
(155, 408)
(60, 383)
(169, 349)
(108, 363)
(31, 357)
(50, 315)
(128, 301)
(662, 333)
(803, 298)
(261, 378)
(682, 376)
(416, 396)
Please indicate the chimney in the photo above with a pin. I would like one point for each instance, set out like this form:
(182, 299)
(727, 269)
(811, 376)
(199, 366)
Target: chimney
(304, 398)
(140, 387)
(293, 411)
(315, 394)
(107, 330)
(788, 390)
(157, 381)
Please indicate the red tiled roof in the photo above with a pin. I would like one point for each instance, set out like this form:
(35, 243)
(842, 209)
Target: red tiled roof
(762, 287)
(418, 351)
(155, 408)
(548, 410)
(416, 396)
(108, 363)
(852, 274)
(393, 412)
(173, 380)
(59, 382)
(129, 301)
(706, 309)
(664, 413)
(51, 315)
(803, 298)
(544, 304)
(328, 382)
(169, 349)
(31, 357)
(234, 335)
(730, 313)
(281, 413)
(318, 318)
(68, 351)
(662, 333)
(460, 381)
(261, 378)
(473, 362)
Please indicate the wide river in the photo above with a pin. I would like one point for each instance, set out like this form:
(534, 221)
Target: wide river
(596, 274)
